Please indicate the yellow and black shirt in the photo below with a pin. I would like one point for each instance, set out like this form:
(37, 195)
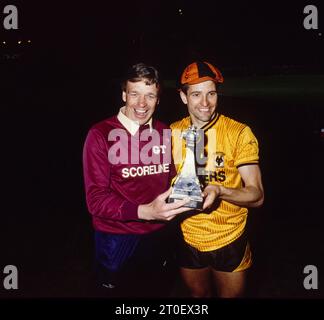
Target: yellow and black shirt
(228, 144)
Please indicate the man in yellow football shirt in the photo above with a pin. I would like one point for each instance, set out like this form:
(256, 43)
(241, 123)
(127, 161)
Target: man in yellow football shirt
(214, 252)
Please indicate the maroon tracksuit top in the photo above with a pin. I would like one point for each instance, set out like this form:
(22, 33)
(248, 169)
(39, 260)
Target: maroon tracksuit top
(122, 171)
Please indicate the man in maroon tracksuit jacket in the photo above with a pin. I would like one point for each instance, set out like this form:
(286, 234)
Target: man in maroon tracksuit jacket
(127, 171)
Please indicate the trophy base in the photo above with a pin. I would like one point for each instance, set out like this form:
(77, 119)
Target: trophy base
(194, 203)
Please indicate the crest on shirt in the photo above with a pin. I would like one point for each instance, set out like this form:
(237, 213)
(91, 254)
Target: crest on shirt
(219, 159)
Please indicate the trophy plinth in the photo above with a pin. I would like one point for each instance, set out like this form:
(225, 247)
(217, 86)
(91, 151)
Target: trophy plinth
(187, 183)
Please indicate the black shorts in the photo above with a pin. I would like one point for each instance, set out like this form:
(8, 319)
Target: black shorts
(236, 256)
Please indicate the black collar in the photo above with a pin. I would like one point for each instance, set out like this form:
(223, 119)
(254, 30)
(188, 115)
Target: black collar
(210, 123)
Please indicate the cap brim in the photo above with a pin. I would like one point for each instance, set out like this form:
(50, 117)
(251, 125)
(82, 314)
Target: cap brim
(202, 79)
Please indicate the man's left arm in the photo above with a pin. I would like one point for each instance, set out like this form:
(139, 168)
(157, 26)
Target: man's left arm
(250, 195)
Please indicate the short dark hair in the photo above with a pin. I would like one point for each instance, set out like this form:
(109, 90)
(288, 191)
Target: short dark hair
(184, 88)
(139, 72)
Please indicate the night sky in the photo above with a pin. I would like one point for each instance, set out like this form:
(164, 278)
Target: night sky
(232, 34)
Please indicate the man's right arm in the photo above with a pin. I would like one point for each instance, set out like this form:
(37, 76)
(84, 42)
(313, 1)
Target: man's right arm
(102, 201)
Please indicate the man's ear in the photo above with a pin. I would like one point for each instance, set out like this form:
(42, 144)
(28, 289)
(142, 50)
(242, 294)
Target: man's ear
(183, 97)
(124, 96)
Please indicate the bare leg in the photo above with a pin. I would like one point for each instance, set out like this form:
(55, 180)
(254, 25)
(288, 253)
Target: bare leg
(229, 284)
(198, 281)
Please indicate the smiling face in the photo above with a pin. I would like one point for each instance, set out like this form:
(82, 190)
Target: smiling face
(201, 100)
(140, 101)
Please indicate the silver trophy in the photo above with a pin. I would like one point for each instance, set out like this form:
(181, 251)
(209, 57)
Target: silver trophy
(187, 183)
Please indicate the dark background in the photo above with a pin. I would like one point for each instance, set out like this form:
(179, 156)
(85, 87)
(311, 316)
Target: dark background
(54, 88)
